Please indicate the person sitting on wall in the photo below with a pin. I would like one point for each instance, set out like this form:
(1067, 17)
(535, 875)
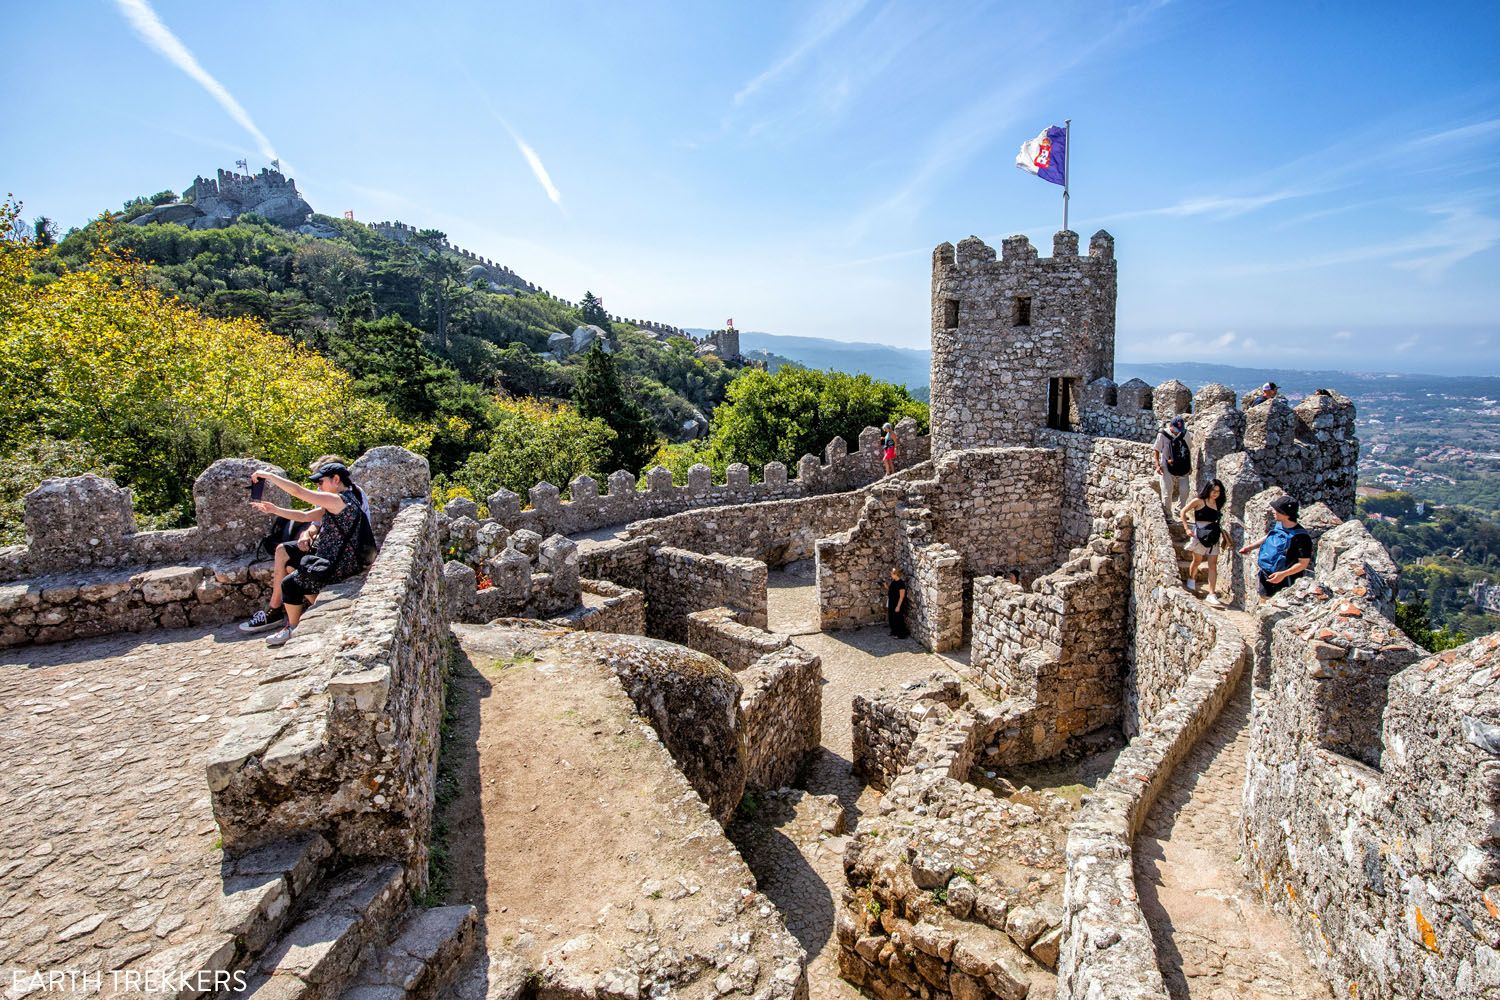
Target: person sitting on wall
(895, 605)
(888, 449)
(291, 536)
(1173, 463)
(1205, 531)
(1286, 550)
(338, 550)
(1267, 393)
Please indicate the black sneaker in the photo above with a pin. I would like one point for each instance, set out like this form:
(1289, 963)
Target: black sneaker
(263, 621)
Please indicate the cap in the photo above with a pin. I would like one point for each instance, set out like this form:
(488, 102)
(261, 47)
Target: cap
(1269, 385)
(331, 469)
(1179, 422)
(1285, 506)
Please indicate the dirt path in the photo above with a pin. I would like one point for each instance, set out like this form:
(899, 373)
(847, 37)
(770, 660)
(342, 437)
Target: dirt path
(1215, 940)
(798, 861)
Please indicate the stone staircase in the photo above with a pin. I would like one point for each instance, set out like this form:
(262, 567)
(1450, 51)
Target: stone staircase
(308, 932)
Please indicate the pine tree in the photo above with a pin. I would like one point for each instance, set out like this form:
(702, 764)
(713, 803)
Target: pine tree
(600, 393)
(592, 310)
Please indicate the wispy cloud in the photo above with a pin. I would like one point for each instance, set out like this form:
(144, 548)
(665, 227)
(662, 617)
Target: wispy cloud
(1217, 206)
(538, 169)
(825, 21)
(154, 33)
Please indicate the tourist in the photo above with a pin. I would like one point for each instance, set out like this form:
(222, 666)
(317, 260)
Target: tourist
(1267, 393)
(1286, 551)
(1014, 576)
(1173, 463)
(284, 545)
(1205, 529)
(895, 605)
(335, 551)
(888, 449)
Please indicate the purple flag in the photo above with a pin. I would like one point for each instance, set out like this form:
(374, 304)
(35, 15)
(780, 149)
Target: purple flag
(1046, 155)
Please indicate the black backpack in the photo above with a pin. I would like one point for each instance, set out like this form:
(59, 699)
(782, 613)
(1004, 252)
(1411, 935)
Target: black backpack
(281, 531)
(1179, 460)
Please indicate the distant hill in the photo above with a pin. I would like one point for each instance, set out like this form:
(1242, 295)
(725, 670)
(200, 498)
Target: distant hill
(901, 365)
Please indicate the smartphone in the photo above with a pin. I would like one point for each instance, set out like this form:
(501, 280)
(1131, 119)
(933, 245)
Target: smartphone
(257, 489)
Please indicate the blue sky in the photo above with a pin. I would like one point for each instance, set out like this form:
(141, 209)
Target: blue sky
(1289, 184)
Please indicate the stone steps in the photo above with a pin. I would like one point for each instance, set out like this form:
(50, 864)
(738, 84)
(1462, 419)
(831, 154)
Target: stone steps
(421, 960)
(319, 957)
(265, 889)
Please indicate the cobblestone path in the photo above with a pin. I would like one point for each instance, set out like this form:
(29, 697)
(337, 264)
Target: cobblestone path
(800, 863)
(108, 846)
(1215, 939)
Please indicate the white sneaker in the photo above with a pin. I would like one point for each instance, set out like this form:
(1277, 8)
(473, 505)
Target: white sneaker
(279, 637)
(1191, 584)
(1213, 600)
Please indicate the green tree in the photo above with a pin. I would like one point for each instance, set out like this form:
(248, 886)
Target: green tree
(599, 394)
(441, 272)
(534, 442)
(1413, 618)
(797, 411)
(44, 231)
(591, 310)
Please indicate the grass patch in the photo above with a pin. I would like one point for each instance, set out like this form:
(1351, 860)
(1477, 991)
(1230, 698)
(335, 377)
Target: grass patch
(439, 861)
(749, 806)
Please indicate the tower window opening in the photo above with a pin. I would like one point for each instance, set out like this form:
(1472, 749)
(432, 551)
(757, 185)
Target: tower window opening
(1060, 397)
(1023, 310)
(950, 314)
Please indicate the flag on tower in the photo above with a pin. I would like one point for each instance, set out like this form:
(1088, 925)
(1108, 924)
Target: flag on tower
(729, 324)
(349, 214)
(1046, 155)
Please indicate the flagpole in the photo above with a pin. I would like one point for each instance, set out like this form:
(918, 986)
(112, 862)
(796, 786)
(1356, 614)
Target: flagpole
(1067, 163)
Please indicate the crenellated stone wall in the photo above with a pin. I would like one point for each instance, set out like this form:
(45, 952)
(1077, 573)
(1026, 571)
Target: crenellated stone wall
(587, 509)
(86, 571)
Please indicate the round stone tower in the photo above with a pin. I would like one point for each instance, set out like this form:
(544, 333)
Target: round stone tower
(1015, 340)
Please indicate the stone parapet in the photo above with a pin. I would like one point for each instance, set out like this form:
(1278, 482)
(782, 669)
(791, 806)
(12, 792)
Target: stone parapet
(1107, 949)
(841, 470)
(680, 582)
(781, 712)
(720, 633)
(1373, 795)
(343, 742)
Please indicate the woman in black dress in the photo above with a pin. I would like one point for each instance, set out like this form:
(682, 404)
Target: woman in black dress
(895, 605)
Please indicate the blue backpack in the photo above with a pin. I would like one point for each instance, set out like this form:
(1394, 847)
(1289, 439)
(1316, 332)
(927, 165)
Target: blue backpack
(1272, 558)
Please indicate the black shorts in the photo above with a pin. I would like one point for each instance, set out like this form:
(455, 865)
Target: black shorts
(296, 591)
(1269, 589)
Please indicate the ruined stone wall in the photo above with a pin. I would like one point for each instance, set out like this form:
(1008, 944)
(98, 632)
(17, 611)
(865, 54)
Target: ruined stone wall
(840, 470)
(781, 712)
(607, 607)
(680, 582)
(775, 533)
(1001, 329)
(1056, 648)
(886, 723)
(1170, 630)
(999, 508)
(1374, 789)
(693, 703)
(621, 561)
(87, 571)
(720, 633)
(1097, 476)
(854, 565)
(1311, 451)
(345, 745)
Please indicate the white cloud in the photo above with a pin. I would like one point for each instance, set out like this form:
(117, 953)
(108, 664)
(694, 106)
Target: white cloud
(157, 35)
(537, 168)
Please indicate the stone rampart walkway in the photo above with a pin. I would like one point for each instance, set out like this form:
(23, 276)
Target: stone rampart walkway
(1215, 939)
(798, 862)
(108, 848)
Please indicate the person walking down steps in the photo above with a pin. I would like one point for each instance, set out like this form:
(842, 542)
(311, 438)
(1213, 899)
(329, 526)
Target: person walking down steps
(895, 605)
(1173, 463)
(1202, 519)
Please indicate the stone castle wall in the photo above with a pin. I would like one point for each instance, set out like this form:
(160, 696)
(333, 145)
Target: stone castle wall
(680, 582)
(1001, 329)
(839, 471)
(1374, 787)
(346, 744)
(86, 571)
(781, 711)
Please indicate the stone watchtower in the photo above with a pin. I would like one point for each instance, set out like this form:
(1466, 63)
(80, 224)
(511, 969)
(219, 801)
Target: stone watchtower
(1015, 340)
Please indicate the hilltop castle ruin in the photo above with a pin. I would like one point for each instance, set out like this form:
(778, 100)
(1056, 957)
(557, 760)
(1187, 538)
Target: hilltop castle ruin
(1354, 778)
